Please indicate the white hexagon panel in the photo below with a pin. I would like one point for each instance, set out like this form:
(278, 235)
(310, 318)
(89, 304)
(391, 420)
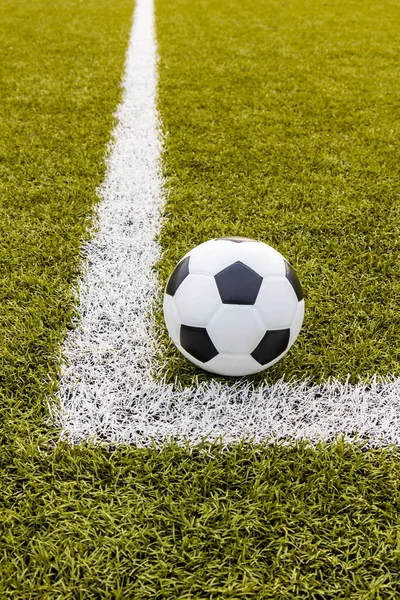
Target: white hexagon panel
(197, 300)
(276, 302)
(297, 322)
(233, 365)
(262, 258)
(236, 329)
(172, 318)
(205, 260)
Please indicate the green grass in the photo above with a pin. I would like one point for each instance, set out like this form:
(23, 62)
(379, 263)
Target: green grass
(89, 523)
(245, 522)
(282, 121)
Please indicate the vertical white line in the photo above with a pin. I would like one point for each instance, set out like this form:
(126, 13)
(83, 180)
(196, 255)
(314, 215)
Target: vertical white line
(107, 390)
(109, 355)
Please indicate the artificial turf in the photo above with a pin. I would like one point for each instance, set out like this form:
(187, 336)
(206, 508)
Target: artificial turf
(243, 522)
(281, 120)
(96, 522)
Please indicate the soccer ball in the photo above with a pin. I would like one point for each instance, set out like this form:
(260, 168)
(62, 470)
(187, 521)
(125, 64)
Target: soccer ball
(233, 306)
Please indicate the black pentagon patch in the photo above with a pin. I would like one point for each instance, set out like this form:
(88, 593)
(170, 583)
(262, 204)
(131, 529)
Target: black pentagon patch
(235, 238)
(180, 273)
(271, 346)
(294, 280)
(197, 342)
(238, 284)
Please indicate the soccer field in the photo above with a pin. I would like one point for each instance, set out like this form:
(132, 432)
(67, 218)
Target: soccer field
(277, 121)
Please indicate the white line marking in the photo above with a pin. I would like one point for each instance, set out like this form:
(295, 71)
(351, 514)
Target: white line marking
(107, 391)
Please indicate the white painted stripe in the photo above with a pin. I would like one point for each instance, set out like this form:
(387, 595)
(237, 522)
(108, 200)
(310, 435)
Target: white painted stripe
(107, 391)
